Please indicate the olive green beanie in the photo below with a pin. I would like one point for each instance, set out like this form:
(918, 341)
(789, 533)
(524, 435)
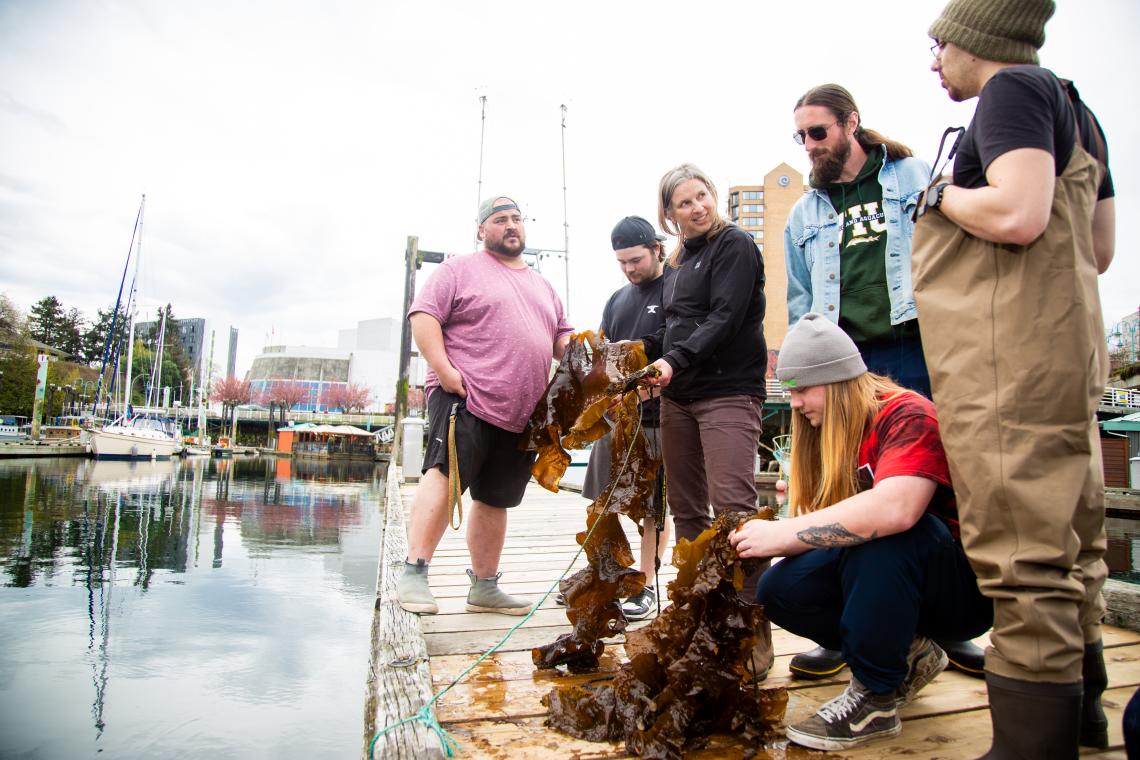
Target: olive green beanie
(1005, 31)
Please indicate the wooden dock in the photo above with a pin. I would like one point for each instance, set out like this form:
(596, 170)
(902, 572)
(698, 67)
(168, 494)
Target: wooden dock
(495, 710)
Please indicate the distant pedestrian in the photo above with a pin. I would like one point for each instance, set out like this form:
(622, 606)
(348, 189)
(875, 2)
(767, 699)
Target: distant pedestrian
(1005, 261)
(488, 327)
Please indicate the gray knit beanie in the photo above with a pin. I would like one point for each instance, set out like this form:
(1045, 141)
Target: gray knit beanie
(817, 352)
(1005, 31)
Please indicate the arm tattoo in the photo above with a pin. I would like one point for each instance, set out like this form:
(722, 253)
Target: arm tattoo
(832, 536)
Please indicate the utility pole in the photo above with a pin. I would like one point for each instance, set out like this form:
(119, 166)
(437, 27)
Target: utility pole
(565, 218)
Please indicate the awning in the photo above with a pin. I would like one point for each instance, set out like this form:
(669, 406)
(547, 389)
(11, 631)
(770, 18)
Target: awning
(1129, 423)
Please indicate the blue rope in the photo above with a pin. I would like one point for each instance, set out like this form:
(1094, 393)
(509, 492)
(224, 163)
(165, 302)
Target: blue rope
(426, 714)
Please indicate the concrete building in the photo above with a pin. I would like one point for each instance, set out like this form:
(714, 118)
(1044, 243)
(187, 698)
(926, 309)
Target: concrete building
(231, 354)
(367, 355)
(762, 211)
(191, 335)
(316, 368)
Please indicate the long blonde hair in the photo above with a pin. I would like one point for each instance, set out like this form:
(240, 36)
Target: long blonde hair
(671, 180)
(825, 459)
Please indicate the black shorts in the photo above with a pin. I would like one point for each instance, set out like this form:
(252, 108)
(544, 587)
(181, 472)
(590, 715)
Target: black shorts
(490, 463)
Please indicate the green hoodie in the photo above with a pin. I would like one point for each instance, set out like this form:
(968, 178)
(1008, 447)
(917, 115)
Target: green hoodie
(864, 302)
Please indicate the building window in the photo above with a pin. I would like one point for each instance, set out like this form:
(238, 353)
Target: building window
(758, 234)
(761, 247)
(753, 208)
(753, 195)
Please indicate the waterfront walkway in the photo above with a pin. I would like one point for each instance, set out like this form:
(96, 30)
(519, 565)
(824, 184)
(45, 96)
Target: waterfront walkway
(495, 711)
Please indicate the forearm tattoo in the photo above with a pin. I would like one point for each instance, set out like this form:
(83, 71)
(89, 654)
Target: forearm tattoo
(832, 536)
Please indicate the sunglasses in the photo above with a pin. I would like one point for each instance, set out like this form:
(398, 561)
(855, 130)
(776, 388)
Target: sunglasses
(816, 133)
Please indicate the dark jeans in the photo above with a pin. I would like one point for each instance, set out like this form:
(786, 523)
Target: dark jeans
(900, 359)
(871, 600)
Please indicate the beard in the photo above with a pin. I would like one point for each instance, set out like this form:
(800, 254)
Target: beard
(827, 165)
(508, 246)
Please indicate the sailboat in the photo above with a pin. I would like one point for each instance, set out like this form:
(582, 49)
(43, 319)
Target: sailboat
(145, 435)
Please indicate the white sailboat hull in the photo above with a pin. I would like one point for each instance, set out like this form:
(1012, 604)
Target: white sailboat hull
(116, 442)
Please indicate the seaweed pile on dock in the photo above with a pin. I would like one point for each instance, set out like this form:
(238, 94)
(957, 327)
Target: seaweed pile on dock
(590, 376)
(690, 671)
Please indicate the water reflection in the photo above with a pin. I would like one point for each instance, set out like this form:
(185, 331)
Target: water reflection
(224, 584)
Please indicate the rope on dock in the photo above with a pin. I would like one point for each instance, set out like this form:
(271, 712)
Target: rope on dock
(426, 714)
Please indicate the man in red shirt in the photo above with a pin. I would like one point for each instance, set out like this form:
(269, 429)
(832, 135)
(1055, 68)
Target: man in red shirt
(873, 565)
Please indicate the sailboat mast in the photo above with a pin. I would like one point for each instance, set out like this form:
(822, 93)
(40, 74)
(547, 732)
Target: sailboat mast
(133, 311)
(482, 131)
(565, 219)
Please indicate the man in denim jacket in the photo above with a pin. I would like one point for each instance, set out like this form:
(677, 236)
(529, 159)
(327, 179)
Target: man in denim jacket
(847, 251)
(847, 241)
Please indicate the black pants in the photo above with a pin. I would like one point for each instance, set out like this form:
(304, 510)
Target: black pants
(871, 600)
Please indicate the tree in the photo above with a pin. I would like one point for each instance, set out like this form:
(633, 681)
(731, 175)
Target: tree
(284, 394)
(46, 320)
(350, 398)
(232, 393)
(18, 378)
(95, 336)
(70, 339)
(12, 322)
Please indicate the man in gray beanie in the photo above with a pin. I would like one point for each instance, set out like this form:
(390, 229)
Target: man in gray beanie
(873, 563)
(1020, 232)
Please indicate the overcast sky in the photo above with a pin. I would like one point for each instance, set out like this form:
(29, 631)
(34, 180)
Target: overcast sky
(287, 149)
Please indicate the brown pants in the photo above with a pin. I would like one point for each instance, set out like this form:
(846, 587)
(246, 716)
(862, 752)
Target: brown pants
(709, 448)
(1014, 344)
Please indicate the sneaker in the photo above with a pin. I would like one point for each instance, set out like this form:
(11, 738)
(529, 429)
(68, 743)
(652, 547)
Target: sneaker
(486, 596)
(854, 717)
(412, 590)
(816, 664)
(560, 599)
(639, 606)
(925, 661)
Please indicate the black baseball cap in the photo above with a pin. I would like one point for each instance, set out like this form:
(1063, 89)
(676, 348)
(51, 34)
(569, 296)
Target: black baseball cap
(633, 230)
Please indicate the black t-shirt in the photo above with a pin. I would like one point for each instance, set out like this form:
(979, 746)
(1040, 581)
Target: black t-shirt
(634, 311)
(1023, 107)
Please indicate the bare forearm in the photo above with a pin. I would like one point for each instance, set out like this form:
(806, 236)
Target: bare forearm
(892, 506)
(428, 335)
(1014, 206)
(1104, 233)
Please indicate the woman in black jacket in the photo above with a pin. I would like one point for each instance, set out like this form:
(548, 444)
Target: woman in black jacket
(712, 356)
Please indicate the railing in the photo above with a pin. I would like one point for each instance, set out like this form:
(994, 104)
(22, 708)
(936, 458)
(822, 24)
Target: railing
(1121, 397)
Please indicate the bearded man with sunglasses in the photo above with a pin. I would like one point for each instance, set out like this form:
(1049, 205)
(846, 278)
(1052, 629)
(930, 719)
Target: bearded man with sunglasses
(1006, 258)
(847, 253)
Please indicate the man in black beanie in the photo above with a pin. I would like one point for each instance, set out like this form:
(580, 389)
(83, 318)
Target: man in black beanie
(1018, 236)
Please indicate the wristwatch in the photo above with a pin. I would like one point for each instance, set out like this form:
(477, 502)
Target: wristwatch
(932, 198)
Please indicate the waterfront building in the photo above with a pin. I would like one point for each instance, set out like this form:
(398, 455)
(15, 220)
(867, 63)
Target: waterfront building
(762, 210)
(318, 369)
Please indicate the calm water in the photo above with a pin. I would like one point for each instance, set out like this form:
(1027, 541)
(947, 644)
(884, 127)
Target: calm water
(206, 608)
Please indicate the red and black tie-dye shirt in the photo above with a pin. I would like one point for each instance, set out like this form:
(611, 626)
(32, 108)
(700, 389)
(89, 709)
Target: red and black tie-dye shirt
(904, 440)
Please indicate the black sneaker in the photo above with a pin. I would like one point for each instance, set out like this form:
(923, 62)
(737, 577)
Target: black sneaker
(560, 599)
(816, 664)
(639, 606)
(854, 717)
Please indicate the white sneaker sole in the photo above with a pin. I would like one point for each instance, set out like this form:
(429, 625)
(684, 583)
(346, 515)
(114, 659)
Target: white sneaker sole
(501, 610)
(826, 743)
(421, 609)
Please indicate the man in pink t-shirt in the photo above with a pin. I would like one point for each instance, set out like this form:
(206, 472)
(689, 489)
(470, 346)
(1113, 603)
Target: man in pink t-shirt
(488, 327)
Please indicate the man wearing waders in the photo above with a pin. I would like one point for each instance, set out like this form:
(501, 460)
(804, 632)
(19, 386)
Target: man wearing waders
(1005, 263)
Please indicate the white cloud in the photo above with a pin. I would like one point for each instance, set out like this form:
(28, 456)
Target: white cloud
(287, 149)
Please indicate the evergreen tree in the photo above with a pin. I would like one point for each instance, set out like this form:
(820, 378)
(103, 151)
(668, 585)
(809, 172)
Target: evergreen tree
(95, 337)
(70, 338)
(45, 322)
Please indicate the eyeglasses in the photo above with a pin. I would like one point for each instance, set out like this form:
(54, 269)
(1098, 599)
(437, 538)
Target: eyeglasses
(936, 49)
(816, 133)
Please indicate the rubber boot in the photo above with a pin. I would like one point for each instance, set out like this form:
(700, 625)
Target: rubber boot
(486, 596)
(1033, 721)
(1094, 724)
(412, 590)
